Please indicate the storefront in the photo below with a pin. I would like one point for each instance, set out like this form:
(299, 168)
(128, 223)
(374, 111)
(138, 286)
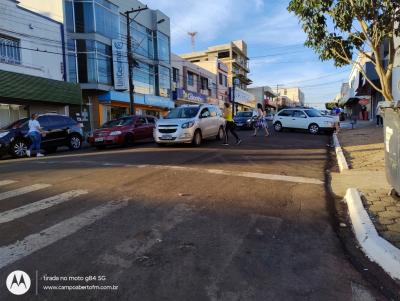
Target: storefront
(22, 95)
(114, 104)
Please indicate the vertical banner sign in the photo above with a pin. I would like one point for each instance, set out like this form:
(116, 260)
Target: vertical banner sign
(120, 65)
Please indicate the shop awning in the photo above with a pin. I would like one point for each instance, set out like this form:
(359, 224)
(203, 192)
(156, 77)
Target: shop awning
(33, 88)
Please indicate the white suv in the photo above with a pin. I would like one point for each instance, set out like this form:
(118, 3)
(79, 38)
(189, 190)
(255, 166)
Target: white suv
(303, 118)
(190, 124)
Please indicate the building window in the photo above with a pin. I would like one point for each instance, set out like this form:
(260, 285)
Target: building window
(175, 75)
(190, 78)
(222, 55)
(94, 62)
(143, 78)
(69, 16)
(84, 17)
(164, 80)
(163, 49)
(10, 52)
(225, 81)
(71, 61)
(142, 40)
(220, 80)
(204, 83)
(285, 92)
(107, 19)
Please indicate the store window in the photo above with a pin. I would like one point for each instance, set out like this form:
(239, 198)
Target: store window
(163, 47)
(143, 78)
(164, 81)
(10, 52)
(204, 83)
(142, 40)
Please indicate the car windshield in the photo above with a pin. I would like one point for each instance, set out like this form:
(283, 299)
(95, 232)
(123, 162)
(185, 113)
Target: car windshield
(183, 112)
(117, 122)
(17, 124)
(313, 113)
(244, 114)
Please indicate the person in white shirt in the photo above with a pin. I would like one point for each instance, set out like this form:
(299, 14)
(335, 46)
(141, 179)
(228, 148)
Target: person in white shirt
(35, 134)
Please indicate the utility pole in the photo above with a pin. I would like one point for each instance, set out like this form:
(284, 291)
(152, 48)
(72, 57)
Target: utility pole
(193, 39)
(130, 56)
(234, 83)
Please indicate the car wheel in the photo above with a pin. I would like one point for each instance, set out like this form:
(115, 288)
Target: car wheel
(278, 127)
(75, 142)
(313, 128)
(221, 133)
(197, 138)
(18, 148)
(50, 149)
(129, 140)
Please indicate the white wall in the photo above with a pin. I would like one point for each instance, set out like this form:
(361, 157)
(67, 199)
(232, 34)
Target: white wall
(396, 74)
(34, 32)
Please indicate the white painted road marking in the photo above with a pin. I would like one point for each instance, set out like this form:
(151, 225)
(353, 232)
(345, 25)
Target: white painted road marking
(7, 182)
(256, 175)
(23, 190)
(37, 241)
(19, 212)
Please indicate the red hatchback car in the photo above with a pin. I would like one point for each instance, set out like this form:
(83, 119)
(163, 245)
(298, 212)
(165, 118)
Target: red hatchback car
(123, 131)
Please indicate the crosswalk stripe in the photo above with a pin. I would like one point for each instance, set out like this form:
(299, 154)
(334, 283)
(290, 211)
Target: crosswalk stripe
(37, 241)
(23, 190)
(7, 182)
(19, 212)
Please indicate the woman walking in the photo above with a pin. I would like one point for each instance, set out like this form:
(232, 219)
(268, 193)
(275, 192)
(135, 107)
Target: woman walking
(230, 124)
(261, 121)
(35, 134)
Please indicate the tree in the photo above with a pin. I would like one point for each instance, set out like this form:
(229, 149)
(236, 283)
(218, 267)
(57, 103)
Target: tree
(342, 29)
(330, 105)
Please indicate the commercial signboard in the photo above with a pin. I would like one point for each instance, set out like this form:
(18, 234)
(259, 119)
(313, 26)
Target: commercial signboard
(189, 95)
(120, 65)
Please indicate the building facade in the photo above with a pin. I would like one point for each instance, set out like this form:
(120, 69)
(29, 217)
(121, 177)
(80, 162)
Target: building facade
(192, 84)
(32, 65)
(265, 96)
(96, 41)
(294, 94)
(233, 55)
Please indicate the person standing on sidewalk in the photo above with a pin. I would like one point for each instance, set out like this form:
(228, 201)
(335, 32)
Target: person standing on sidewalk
(261, 121)
(336, 112)
(379, 119)
(35, 134)
(230, 124)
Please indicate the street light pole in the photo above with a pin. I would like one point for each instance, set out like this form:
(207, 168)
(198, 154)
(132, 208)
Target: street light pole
(130, 57)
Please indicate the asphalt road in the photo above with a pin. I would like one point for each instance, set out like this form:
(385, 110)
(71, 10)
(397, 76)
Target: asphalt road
(248, 222)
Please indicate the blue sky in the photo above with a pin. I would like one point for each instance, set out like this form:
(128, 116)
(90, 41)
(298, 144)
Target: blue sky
(274, 37)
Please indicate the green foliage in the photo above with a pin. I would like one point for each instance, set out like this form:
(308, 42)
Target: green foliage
(336, 29)
(330, 105)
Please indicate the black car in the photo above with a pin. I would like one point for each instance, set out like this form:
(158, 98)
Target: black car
(245, 119)
(60, 131)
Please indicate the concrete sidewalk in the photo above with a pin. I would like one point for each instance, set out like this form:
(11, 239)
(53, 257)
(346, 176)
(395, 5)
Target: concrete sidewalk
(363, 148)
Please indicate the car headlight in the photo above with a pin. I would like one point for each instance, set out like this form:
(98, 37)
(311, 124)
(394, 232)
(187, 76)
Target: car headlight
(248, 120)
(3, 134)
(115, 133)
(188, 125)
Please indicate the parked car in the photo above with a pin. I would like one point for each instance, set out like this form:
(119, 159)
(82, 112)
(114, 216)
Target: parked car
(123, 131)
(245, 119)
(302, 118)
(61, 131)
(269, 116)
(190, 124)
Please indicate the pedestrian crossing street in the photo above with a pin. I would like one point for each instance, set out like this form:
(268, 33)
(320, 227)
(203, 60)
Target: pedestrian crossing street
(37, 241)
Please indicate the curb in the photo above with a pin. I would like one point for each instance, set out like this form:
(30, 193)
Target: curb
(374, 246)
(343, 166)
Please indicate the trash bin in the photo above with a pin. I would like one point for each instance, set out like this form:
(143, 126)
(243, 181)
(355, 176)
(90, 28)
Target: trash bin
(391, 123)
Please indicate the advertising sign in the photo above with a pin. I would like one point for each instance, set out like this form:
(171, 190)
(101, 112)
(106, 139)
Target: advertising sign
(120, 65)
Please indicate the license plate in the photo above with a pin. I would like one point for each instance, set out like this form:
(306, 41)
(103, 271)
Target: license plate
(98, 139)
(166, 137)
(239, 124)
